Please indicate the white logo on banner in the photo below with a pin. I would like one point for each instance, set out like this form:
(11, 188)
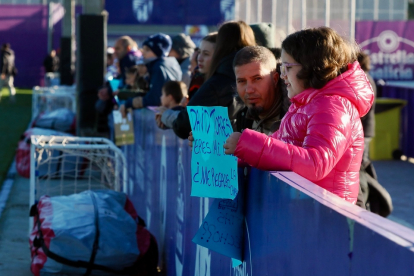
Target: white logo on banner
(203, 256)
(227, 9)
(388, 41)
(390, 62)
(142, 9)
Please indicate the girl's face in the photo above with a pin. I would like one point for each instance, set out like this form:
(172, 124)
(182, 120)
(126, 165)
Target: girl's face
(290, 68)
(205, 56)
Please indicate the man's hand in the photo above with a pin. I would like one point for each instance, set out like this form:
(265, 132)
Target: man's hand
(3, 76)
(231, 143)
(190, 139)
(103, 94)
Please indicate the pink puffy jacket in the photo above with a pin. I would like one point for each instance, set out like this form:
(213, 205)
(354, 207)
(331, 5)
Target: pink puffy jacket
(320, 137)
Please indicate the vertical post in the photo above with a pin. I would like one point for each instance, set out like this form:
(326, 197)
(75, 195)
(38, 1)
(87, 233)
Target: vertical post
(236, 9)
(289, 16)
(303, 19)
(247, 11)
(67, 58)
(376, 10)
(50, 26)
(259, 11)
(352, 22)
(327, 12)
(274, 12)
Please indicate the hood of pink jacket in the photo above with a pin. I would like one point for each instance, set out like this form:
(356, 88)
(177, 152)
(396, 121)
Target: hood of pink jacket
(352, 84)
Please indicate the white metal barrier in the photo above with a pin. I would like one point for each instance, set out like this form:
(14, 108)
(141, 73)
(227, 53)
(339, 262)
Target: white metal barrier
(62, 165)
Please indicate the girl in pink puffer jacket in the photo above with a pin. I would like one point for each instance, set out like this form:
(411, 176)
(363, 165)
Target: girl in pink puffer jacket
(321, 136)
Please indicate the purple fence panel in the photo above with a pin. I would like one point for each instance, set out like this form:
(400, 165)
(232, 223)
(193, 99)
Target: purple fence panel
(292, 226)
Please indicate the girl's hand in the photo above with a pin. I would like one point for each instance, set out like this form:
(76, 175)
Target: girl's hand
(231, 143)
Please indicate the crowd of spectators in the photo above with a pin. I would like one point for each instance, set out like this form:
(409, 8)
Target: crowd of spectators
(291, 103)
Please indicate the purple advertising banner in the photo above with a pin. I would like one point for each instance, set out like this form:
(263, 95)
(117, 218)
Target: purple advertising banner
(390, 45)
(166, 12)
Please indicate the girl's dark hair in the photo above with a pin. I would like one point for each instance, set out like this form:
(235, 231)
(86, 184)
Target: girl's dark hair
(323, 54)
(211, 37)
(231, 37)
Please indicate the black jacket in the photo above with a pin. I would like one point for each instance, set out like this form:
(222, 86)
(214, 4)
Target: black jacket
(218, 90)
(7, 62)
(368, 121)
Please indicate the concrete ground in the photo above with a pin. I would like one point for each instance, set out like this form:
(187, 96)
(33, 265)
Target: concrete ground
(396, 176)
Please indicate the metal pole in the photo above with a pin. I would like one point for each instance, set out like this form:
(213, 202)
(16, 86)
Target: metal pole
(50, 27)
(303, 14)
(237, 10)
(375, 10)
(289, 16)
(259, 11)
(247, 11)
(352, 22)
(274, 12)
(327, 12)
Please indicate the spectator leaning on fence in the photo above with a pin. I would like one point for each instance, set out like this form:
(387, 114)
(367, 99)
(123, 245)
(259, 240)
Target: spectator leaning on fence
(127, 56)
(218, 89)
(259, 86)
(321, 136)
(161, 69)
(173, 98)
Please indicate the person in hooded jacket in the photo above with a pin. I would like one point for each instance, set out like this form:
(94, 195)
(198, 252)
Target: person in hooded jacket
(161, 68)
(321, 136)
(219, 86)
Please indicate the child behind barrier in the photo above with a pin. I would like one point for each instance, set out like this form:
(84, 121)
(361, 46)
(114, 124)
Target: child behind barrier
(174, 93)
(321, 136)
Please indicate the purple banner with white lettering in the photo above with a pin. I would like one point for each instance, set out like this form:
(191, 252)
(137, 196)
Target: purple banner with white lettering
(390, 45)
(166, 12)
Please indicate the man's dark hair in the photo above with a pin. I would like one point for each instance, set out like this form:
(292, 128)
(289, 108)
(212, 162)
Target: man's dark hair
(177, 89)
(259, 54)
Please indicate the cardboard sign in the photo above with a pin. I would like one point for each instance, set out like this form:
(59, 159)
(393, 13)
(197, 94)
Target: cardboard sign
(214, 173)
(124, 128)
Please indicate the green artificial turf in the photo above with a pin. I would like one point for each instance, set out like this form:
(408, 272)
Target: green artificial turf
(14, 119)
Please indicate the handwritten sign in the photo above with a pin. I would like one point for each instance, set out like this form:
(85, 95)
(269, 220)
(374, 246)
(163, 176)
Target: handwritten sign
(223, 228)
(214, 174)
(124, 128)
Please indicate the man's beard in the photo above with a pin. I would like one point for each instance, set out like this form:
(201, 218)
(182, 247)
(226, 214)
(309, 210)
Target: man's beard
(255, 111)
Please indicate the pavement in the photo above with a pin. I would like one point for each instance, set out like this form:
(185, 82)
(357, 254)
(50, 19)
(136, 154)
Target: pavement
(396, 176)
